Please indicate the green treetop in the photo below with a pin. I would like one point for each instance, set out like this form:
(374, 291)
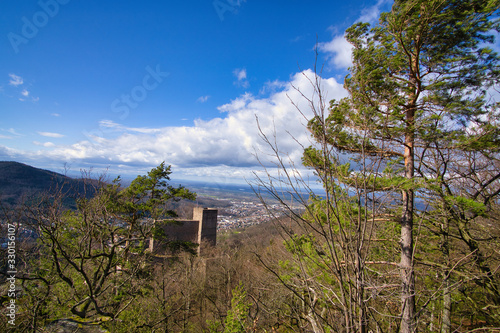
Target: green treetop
(420, 81)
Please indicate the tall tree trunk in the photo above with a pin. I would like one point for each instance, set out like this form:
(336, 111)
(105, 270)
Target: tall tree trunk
(360, 278)
(406, 266)
(407, 273)
(446, 326)
(362, 318)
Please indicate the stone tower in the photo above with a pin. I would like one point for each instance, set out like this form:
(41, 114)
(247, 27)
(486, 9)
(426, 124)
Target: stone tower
(202, 229)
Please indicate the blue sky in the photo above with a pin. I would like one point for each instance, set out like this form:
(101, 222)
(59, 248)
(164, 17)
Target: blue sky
(125, 85)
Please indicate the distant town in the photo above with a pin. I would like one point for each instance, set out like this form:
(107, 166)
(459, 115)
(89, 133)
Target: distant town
(247, 213)
(238, 205)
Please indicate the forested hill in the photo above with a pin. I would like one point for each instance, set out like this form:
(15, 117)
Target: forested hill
(19, 182)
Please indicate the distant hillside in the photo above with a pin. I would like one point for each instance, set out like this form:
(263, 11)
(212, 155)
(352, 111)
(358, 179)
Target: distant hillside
(19, 181)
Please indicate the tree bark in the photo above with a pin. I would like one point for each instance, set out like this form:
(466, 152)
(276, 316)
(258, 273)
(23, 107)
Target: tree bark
(407, 272)
(446, 328)
(445, 248)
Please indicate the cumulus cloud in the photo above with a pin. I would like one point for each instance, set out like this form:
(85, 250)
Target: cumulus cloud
(338, 51)
(25, 93)
(51, 135)
(15, 80)
(222, 147)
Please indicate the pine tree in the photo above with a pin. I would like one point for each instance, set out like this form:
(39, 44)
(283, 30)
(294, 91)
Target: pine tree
(419, 81)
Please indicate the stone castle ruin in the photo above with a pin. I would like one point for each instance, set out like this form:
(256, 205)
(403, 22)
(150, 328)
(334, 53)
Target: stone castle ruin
(202, 229)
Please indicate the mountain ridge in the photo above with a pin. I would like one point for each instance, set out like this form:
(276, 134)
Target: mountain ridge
(19, 181)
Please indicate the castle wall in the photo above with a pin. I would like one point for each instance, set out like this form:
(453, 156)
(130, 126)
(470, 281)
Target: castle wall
(182, 230)
(202, 229)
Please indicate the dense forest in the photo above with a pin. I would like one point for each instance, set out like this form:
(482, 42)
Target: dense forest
(405, 239)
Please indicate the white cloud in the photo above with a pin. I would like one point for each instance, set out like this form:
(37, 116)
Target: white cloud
(241, 76)
(109, 125)
(51, 135)
(11, 131)
(15, 80)
(203, 99)
(339, 52)
(371, 14)
(44, 144)
(272, 87)
(55, 114)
